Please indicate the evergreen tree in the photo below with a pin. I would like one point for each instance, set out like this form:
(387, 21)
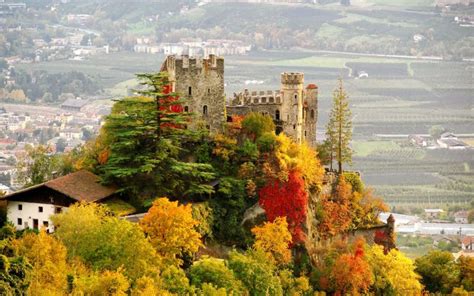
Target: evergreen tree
(147, 139)
(339, 128)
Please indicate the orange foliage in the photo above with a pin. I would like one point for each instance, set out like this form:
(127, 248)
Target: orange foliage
(352, 273)
(336, 210)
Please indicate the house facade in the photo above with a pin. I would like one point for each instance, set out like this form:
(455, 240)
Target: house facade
(32, 207)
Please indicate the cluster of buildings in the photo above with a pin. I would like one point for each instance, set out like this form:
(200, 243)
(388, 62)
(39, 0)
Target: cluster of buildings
(219, 47)
(61, 129)
(447, 140)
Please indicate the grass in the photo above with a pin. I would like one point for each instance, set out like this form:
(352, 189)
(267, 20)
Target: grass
(365, 148)
(120, 207)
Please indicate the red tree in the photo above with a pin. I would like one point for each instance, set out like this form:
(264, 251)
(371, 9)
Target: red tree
(286, 199)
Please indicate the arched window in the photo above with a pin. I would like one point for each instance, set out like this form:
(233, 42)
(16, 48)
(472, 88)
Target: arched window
(190, 90)
(277, 115)
(186, 109)
(209, 91)
(312, 113)
(296, 98)
(204, 110)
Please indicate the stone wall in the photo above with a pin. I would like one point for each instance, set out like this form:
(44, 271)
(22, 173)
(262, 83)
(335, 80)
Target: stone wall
(201, 83)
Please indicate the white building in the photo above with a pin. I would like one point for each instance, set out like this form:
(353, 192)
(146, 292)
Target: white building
(32, 207)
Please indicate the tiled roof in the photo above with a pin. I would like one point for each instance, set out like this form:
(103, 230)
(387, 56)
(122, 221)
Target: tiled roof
(80, 186)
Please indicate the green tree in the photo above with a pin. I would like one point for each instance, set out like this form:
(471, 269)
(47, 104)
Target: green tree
(339, 127)
(147, 139)
(256, 272)
(214, 271)
(105, 242)
(436, 131)
(37, 166)
(439, 272)
(256, 124)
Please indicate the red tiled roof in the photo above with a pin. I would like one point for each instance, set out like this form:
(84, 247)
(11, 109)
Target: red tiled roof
(312, 86)
(467, 240)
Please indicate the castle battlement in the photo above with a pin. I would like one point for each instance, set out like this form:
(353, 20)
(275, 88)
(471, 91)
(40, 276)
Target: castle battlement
(182, 62)
(292, 78)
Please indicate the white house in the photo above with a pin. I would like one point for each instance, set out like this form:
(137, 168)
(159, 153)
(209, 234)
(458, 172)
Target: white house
(461, 217)
(450, 141)
(32, 207)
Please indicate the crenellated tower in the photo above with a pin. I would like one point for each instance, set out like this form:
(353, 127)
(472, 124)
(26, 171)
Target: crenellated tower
(292, 92)
(201, 82)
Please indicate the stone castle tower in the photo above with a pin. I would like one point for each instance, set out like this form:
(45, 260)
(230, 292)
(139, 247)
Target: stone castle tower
(293, 107)
(201, 83)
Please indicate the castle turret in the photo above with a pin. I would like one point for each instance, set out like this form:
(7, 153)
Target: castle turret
(292, 90)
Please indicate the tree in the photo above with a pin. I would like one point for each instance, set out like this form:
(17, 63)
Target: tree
(286, 199)
(351, 272)
(335, 214)
(256, 273)
(37, 166)
(273, 238)
(214, 271)
(439, 272)
(147, 139)
(436, 131)
(61, 145)
(171, 229)
(466, 266)
(47, 256)
(339, 128)
(113, 283)
(256, 124)
(105, 242)
(394, 274)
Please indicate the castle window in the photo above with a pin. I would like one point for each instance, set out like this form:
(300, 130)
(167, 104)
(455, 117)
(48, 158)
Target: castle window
(271, 100)
(294, 126)
(305, 133)
(204, 110)
(19, 221)
(255, 101)
(296, 99)
(209, 91)
(312, 113)
(277, 115)
(264, 100)
(186, 109)
(190, 90)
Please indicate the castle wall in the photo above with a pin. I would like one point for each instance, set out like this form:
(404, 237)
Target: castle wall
(201, 83)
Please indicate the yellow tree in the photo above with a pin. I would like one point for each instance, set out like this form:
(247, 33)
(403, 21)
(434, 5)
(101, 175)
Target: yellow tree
(293, 156)
(393, 273)
(47, 255)
(171, 229)
(274, 238)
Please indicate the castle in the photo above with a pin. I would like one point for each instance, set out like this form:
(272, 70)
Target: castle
(294, 107)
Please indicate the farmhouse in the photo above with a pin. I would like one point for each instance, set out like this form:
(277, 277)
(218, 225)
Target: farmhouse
(450, 141)
(33, 206)
(467, 243)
